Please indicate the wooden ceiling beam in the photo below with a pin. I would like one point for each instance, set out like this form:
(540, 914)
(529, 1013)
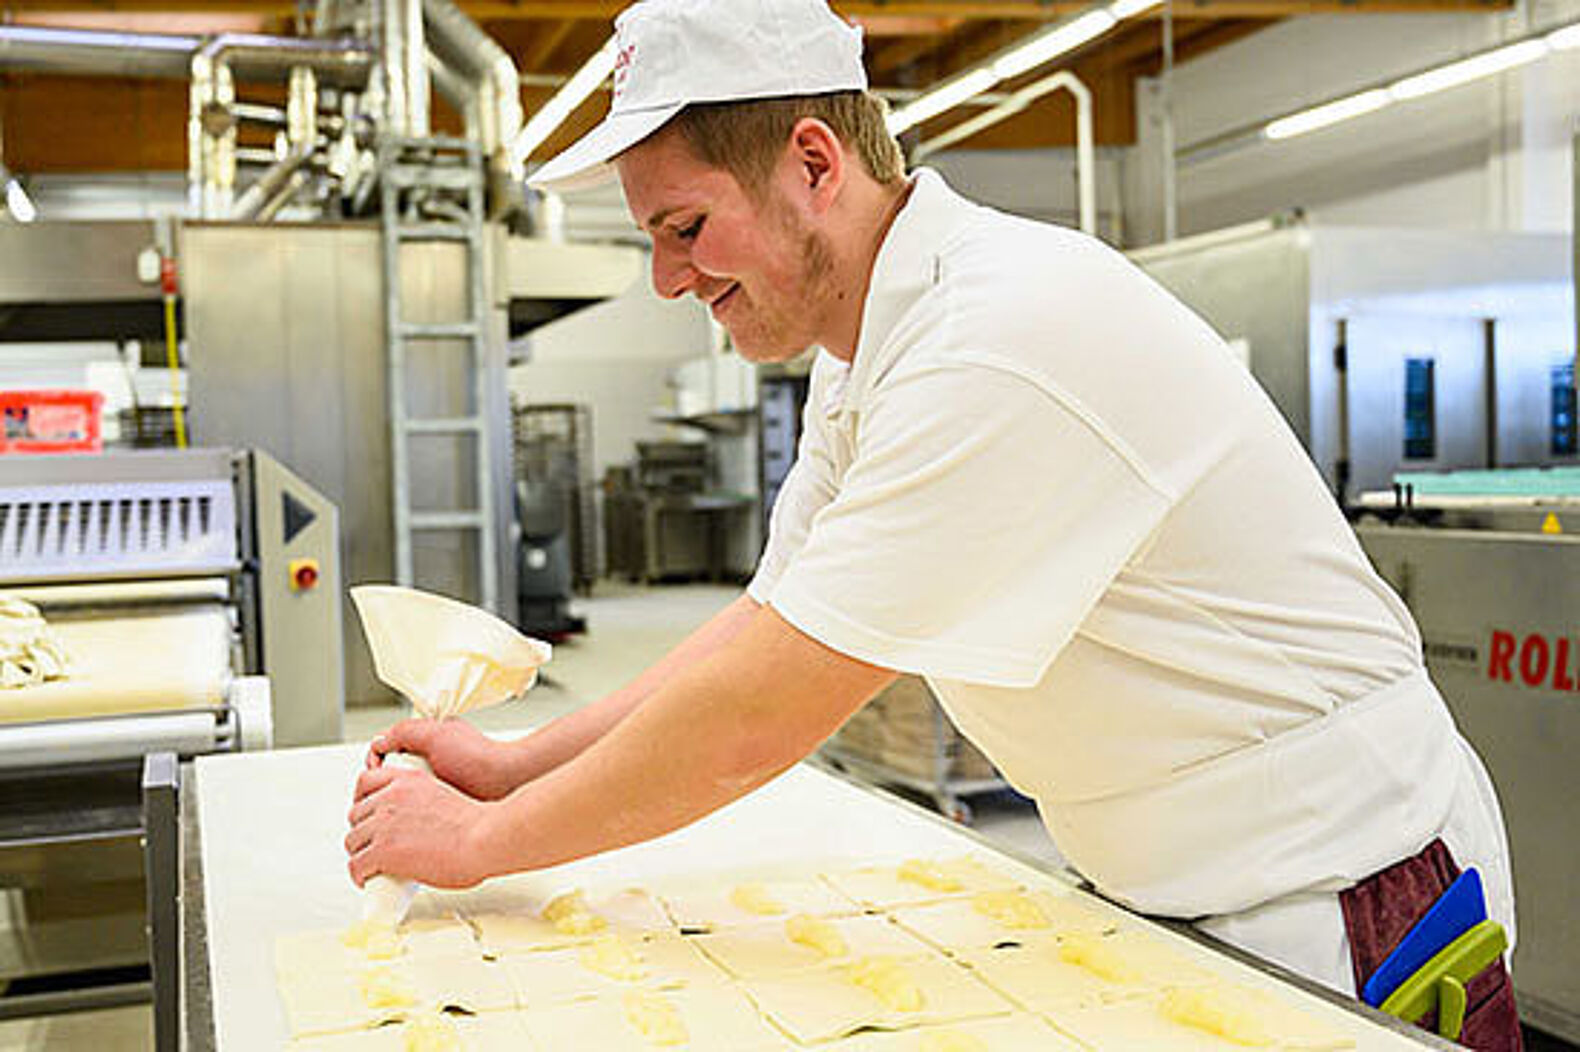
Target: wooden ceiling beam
(545, 44)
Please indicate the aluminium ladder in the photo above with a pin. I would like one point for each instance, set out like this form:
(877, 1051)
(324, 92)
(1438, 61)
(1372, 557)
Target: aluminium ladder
(431, 189)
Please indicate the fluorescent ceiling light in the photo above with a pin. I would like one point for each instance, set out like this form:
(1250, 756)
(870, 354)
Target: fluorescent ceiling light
(1123, 9)
(554, 112)
(1326, 114)
(944, 97)
(1052, 43)
(1466, 70)
(17, 201)
(1565, 38)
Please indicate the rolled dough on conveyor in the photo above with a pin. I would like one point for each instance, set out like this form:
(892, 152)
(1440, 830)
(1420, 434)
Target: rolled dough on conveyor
(760, 951)
(990, 918)
(712, 1019)
(489, 1032)
(825, 1003)
(30, 652)
(733, 904)
(135, 663)
(1082, 970)
(1014, 1033)
(914, 881)
(608, 965)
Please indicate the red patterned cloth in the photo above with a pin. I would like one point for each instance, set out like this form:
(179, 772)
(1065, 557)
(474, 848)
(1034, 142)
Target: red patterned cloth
(1381, 910)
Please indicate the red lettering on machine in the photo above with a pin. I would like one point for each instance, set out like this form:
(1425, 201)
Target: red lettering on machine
(1538, 660)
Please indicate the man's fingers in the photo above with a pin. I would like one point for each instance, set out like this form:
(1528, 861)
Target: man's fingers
(373, 779)
(359, 838)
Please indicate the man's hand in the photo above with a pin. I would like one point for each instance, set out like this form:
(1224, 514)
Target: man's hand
(458, 753)
(409, 824)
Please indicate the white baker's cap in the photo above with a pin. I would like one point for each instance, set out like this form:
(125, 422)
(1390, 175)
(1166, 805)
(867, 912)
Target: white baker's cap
(675, 52)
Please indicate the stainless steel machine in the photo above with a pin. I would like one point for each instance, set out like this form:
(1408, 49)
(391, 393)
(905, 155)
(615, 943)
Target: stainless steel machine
(197, 595)
(1394, 350)
(1487, 566)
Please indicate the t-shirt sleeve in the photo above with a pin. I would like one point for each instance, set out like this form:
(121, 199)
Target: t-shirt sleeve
(807, 489)
(982, 517)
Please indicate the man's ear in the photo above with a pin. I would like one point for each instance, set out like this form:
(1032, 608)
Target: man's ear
(819, 159)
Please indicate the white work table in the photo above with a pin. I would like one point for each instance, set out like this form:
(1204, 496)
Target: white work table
(265, 858)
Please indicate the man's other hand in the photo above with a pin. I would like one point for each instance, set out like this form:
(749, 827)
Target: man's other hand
(457, 751)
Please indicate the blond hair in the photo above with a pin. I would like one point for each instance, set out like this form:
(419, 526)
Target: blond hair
(747, 137)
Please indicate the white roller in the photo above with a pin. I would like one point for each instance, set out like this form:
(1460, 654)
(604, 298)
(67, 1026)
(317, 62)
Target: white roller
(117, 738)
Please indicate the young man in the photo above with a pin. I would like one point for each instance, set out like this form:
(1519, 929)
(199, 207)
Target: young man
(1027, 474)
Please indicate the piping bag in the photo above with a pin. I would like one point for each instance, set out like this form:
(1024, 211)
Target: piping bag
(446, 658)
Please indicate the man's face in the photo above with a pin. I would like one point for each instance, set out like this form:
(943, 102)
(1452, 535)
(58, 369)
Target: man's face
(754, 263)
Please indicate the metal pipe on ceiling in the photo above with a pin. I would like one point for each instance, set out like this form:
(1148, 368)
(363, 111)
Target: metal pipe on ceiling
(461, 43)
(106, 53)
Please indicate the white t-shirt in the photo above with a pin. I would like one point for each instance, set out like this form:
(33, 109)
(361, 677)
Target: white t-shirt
(1049, 488)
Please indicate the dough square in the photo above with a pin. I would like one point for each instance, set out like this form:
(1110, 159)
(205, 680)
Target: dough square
(880, 887)
(970, 923)
(514, 923)
(1142, 1024)
(823, 1004)
(761, 951)
(729, 905)
(324, 1000)
(326, 950)
(552, 976)
(1036, 976)
(490, 1032)
(1011, 1033)
(717, 1019)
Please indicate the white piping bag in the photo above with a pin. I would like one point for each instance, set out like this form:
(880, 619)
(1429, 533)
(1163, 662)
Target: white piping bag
(446, 658)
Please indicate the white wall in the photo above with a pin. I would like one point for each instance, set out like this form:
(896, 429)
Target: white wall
(616, 357)
(1493, 155)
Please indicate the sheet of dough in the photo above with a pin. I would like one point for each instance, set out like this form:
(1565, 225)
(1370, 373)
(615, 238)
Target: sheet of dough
(145, 662)
(822, 1004)
(717, 1018)
(957, 924)
(761, 951)
(1037, 978)
(1013, 1033)
(1140, 1025)
(507, 914)
(710, 906)
(322, 1000)
(554, 976)
(881, 887)
(326, 950)
(489, 1032)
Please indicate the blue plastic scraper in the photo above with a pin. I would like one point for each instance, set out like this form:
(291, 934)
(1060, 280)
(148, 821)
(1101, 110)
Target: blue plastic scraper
(1456, 911)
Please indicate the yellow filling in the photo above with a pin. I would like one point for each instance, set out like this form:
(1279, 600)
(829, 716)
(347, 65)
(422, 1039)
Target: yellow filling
(1010, 909)
(929, 875)
(754, 898)
(817, 934)
(1231, 1016)
(570, 916)
(431, 1033)
(383, 988)
(610, 956)
(377, 940)
(887, 980)
(655, 1019)
(951, 1041)
(1097, 956)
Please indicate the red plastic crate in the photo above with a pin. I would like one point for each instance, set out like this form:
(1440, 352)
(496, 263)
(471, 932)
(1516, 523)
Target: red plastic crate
(50, 421)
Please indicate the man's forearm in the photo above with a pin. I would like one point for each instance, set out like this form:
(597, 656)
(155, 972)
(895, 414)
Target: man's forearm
(717, 729)
(569, 736)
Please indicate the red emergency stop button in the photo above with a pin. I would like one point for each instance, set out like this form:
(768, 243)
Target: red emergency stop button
(303, 574)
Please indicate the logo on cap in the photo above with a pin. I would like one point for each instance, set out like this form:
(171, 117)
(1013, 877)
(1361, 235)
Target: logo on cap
(622, 69)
